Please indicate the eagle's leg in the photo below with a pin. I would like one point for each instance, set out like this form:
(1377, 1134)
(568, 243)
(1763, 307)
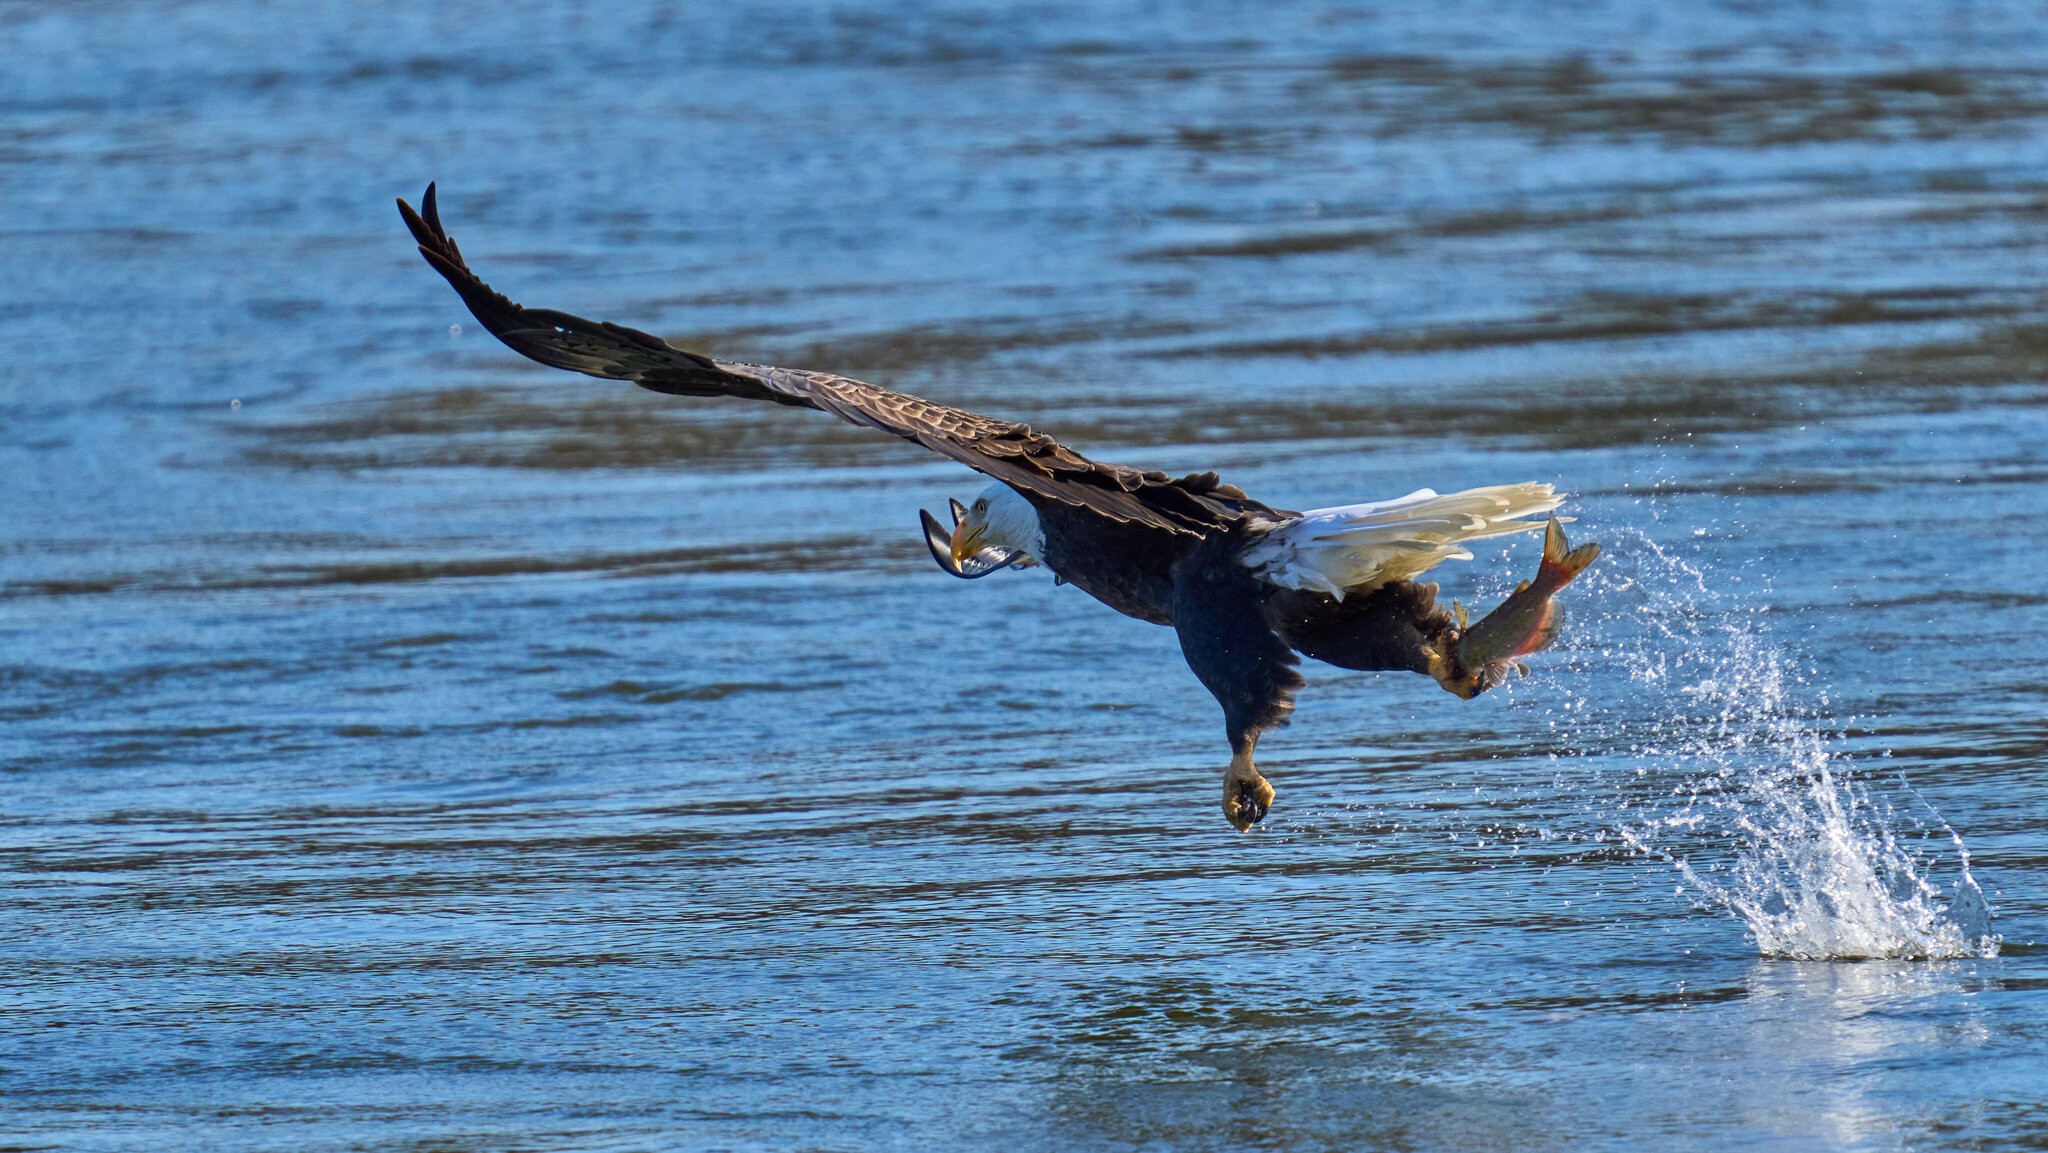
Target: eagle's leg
(1247, 795)
(1220, 612)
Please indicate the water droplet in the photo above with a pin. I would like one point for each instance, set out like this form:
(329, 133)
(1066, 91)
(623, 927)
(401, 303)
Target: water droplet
(236, 405)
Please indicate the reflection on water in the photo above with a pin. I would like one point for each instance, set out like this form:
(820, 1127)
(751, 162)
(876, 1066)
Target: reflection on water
(431, 752)
(1854, 1020)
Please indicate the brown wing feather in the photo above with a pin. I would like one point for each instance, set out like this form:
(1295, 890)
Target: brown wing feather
(1006, 450)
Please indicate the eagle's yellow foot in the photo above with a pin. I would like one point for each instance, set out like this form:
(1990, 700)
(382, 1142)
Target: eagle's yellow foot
(1246, 794)
(1455, 678)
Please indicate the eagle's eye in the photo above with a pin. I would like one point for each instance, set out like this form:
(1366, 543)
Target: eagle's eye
(981, 507)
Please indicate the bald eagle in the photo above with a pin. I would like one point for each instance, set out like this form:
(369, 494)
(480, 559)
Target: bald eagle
(1248, 588)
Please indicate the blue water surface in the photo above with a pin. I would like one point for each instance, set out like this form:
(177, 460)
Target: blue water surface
(406, 747)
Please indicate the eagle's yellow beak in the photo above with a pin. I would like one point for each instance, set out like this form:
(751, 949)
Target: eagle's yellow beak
(966, 539)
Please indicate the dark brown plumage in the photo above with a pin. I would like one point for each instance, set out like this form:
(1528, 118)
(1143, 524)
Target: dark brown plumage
(1006, 450)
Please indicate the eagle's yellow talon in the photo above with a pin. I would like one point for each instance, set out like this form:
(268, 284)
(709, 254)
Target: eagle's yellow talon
(1246, 795)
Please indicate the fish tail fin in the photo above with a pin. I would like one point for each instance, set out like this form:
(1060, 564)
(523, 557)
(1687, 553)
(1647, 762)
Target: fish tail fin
(1561, 562)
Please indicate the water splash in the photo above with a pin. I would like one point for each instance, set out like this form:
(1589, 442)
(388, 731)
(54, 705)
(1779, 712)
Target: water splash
(1770, 818)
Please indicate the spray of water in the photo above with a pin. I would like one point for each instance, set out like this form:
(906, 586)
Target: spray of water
(1769, 818)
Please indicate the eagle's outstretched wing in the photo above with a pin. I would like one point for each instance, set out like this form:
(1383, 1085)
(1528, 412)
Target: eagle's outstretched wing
(1030, 462)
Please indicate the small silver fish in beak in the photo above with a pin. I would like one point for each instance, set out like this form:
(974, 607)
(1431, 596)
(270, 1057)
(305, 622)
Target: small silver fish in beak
(964, 552)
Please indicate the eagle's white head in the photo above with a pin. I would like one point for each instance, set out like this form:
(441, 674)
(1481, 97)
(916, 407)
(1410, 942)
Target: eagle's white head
(999, 518)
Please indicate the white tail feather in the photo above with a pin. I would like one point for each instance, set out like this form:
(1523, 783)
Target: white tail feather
(1356, 548)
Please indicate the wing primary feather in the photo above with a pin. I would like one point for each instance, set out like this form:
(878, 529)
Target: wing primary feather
(1008, 451)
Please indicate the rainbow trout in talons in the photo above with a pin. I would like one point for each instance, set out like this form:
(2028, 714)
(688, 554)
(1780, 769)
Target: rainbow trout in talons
(1524, 623)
